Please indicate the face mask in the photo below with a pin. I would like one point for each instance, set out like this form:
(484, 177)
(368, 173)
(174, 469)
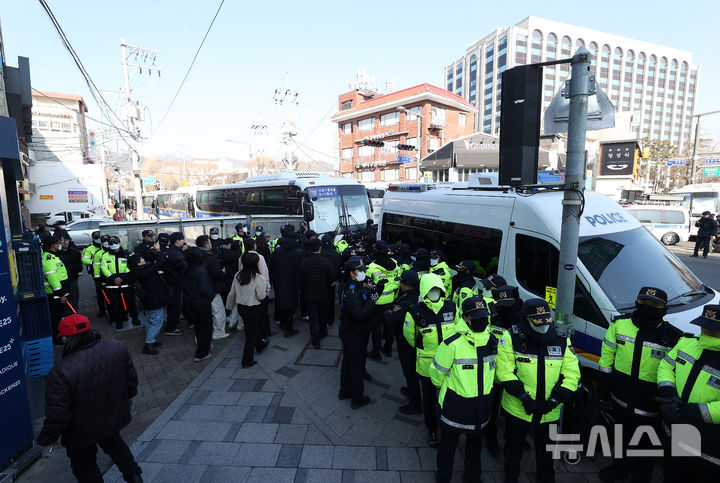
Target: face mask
(115, 246)
(105, 244)
(434, 294)
(214, 237)
(540, 329)
(433, 262)
(413, 258)
(244, 229)
(645, 314)
(360, 276)
(258, 233)
(96, 242)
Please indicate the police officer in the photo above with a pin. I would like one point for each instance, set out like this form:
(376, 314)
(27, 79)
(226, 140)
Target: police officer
(120, 293)
(632, 349)
(343, 243)
(464, 369)
(438, 266)
(215, 240)
(426, 325)
(539, 372)
(57, 285)
(491, 282)
(98, 276)
(174, 264)
(146, 248)
(393, 319)
(240, 234)
(357, 308)
(404, 258)
(421, 262)
(88, 255)
(463, 283)
(689, 393)
(382, 272)
(259, 232)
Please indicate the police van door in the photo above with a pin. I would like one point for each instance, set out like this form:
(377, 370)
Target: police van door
(531, 263)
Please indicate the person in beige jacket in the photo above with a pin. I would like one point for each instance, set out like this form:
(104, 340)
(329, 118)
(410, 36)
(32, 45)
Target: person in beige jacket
(248, 290)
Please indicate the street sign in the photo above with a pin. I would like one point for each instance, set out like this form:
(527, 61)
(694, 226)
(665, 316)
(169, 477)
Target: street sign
(712, 161)
(711, 171)
(676, 162)
(149, 180)
(600, 110)
(404, 159)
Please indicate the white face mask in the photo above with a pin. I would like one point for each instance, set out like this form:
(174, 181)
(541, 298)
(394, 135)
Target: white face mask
(115, 246)
(214, 237)
(258, 233)
(540, 329)
(244, 229)
(360, 276)
(434, 294)
(105, 245)
(413, 258)
(434, 261)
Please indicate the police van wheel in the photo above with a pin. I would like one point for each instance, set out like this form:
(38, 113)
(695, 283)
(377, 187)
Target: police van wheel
(571, 459)
(670, 238)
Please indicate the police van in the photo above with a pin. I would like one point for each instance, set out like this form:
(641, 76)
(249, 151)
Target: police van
(516, 233)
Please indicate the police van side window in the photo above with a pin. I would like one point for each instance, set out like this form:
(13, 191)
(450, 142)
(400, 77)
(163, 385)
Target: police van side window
(457, 241)
(674, 217)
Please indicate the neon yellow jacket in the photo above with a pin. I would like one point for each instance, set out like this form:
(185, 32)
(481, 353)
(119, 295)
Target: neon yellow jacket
(378, 273)
(55, 274)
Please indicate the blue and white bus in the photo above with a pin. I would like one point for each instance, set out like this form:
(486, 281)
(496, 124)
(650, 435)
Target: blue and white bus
(327, 203)
(175, 204)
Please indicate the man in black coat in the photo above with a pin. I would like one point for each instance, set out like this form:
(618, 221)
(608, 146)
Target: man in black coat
(217, 281)
(152, 289)
(215, 240)
(146, 248)
(174, 265)
(87, 400)
(330, 253)
(283, 274)
(707, 227)
(70, 255)
(316, 276)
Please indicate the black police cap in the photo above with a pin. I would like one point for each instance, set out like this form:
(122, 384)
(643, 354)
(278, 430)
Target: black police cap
(475, 308)
(710, 318)
(653, 294)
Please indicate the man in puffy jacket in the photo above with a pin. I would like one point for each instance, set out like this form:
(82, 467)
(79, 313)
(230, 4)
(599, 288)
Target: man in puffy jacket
(707, 227)
(316, 275)
(427, 325)
(217, 281)
(174, 264)
(153, 291)
(464, 370)
(283, 274)
(87, 400)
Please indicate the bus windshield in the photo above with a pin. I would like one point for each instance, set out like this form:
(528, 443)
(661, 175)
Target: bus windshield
(623, 262)
(707, 201)
(337, 206)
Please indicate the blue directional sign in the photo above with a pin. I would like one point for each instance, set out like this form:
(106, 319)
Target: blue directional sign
(712, 161)
(404, 159)
(676, 162)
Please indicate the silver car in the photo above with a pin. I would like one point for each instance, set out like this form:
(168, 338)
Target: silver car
(81, 231)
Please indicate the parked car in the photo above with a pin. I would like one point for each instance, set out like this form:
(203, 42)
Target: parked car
(81, 231)
(669, 224)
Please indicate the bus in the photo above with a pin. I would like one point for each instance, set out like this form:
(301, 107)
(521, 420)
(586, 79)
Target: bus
(175, 204)
(699, 197)
(326, 203)
(149, 206)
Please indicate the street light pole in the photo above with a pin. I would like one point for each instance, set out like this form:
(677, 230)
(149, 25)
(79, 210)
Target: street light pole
(417, 136)
(695, 142)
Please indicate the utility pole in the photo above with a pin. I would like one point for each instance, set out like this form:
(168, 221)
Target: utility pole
(418, 136)
(258, 131)
(695, 143)
(579, 90)
(287, 97)
(132, 112)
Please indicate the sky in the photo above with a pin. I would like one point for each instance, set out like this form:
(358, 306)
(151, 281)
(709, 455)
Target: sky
(319, 44)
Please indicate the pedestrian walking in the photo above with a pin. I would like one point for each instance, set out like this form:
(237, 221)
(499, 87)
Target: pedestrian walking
(197, 299)
(217, 282)
(152, 290)
(87, 401)
(264, 329)
(247, 293)
(283, 270)
(707, 227)
(174, 264)
(316, 275)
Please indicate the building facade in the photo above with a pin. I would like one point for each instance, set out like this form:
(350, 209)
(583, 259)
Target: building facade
(657, 84)
(424, 116)
(59, 129)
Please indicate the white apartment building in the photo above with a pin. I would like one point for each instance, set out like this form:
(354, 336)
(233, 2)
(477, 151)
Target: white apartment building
(656, 84)
(59, 130)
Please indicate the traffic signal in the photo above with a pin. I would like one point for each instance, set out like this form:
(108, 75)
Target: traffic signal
(370, 142)
(406, 147)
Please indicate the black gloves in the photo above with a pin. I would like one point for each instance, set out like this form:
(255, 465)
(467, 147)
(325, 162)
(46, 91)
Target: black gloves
(670, 409)
(548, 406)
(531, 406)
(380, 286)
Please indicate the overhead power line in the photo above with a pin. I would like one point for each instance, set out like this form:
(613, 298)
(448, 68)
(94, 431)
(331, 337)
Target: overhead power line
(207, 32)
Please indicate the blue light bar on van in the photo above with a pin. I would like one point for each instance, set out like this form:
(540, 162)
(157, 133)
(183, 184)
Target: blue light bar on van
(408, 187)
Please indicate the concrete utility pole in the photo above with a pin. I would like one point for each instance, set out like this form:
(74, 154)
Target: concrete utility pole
(418, 136)
(132, 112)
(695, 143)
(288, 97)
(580, 89)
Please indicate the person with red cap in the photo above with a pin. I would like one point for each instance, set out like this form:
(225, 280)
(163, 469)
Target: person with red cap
(87, 401)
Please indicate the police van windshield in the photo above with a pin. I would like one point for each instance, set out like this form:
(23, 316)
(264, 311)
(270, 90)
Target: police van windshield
(336, 206)
(624, 261)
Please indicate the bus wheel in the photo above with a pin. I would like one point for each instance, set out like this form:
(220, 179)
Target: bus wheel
(670, 238)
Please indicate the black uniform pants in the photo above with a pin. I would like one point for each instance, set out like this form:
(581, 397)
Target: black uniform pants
(640, 468)
(317, 311)
(84, 464)
(286, 317)
(353, 364)
(116, 309)
(407, 357)
(174, 308)
(331, 305)
(74, 296)
(100, 298)
(491, 429)
(264, 319)
(702, 241)
(515, 432)
(446, 455)
(377, 327)
(200, 316)
(429, 401)
(390, 329)
(252, 321)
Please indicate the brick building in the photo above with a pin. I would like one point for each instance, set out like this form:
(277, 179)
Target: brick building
(392, 119)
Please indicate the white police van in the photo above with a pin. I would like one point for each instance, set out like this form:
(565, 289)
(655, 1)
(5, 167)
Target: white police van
(516, 233)
(669, 224)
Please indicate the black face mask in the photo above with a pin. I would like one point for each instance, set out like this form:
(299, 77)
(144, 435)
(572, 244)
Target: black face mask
(646, 316)
(478, 325)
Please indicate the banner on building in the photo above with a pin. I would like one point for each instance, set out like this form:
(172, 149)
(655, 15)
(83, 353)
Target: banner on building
(77, 196)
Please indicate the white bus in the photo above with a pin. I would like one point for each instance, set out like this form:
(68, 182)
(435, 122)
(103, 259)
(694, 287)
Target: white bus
(516, 233)
(699, 197)
(326, 203)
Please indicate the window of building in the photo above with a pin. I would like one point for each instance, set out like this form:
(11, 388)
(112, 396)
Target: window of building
(473, 80)
(367, 176)
(43, 125)
(462, 119)
(521, 49)
(390, 118)
(347, 153)
(366, 124)
(433, 144)
(390, 147)
(411, 174)
(413, 141)
(437, 115)
(366, 151)
(536, 47)
(440, 176)
(345, 105)
(390, 174)
(66, 127)
(347, 128)
(411, 116)
(55, 126)
(346, 175)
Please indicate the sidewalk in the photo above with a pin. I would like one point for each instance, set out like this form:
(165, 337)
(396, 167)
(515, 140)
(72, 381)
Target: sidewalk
(281, 421)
